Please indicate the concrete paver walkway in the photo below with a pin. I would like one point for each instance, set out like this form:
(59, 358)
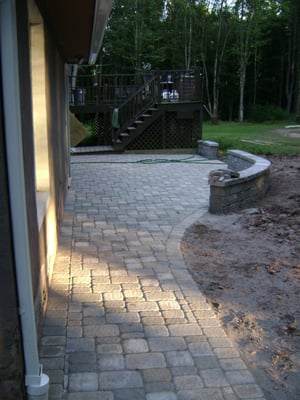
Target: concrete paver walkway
(125, 320)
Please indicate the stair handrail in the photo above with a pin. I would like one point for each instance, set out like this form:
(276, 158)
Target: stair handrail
(140, 101)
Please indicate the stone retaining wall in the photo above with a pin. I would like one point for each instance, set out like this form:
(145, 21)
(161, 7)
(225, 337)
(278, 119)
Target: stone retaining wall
(208, 149)
(229, 194)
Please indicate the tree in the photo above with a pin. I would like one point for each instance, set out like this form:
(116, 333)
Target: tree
(246, 12)
(133, 35)
(248, 49)
(291, 14)
(221, 36)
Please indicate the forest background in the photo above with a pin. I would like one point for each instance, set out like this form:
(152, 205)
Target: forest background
(248, 51)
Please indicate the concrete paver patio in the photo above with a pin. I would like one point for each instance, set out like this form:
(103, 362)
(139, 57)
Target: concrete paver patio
(125, 319)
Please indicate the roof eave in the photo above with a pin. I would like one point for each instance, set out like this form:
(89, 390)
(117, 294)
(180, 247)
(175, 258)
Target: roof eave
(101, 14)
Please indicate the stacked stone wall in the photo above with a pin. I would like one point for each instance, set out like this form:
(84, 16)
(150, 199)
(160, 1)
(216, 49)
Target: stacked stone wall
(231, 194)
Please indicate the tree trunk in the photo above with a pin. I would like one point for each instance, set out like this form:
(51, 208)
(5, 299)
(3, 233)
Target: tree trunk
(188, 35)
(243, 68)
(297, 107)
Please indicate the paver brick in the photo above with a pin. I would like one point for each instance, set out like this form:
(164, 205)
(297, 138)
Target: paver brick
(86, 297)
(135, 346)
(188, 382)
(135, 293)
(185, 329)
(111, 362)
(206, 362)
(124, 279)
(157, 375)
(55, 313)
(60, 322)
(142, 306)
(179, 359)
(93, 320)
(113, 296)
(111, 348)
(149, 282)
(176, 321)
(239, 377)
(214, 377)
(145, 360)
(155, 295)
(53, 363)
(220, 342)
(214, 332)
(209, 322)
(232, 364)
(56, 391)
(226, 352)
(114, 306)
(121, 318)
(106, 287)
(82, 361)
(93, 310)
(99, 395)
(161, 396)
(83, 382)
(91, 331)
(168, 305)
(131, 327)
(119, 380)
(55, 375)
(129, 394)
(156, 331)
(80, 344)
(159, 387)
(200, 349)
(173, 314)
(153, 320)
(248, 391)
(74, 316)
(52, 351)
(197, 394)
(53, 340)
(228, 393)
(167, 344)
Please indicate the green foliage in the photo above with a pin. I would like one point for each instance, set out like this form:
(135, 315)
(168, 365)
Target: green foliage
(262, 113)
(268, 139)
(248, 49)
(92, 138)
(133, 35)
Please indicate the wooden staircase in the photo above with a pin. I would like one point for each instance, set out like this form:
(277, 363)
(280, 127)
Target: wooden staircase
(137, 113)
(123, 137)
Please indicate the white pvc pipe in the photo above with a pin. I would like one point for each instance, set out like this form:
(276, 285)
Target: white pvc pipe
(36, 382)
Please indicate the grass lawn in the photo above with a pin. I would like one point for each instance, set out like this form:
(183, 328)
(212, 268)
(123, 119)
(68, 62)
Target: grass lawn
(254, 138)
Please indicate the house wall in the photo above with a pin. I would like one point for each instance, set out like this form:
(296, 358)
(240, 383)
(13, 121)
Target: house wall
(45, 203)
(49, 136)
(11, 361)
(44, 207)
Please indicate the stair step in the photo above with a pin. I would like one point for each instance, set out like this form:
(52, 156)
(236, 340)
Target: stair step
(131, 128)
(146, 115)
(124, 134)
(138, 122)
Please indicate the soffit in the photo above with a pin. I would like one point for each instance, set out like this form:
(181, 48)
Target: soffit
(71, 22)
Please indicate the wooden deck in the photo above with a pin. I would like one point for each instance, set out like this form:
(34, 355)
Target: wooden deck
(136, 98)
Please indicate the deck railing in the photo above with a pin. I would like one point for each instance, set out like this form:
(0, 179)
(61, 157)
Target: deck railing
(115, 89)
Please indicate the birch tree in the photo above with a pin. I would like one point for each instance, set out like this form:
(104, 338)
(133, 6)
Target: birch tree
(250, 19)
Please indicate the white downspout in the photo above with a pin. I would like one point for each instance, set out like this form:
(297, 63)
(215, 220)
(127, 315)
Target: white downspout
(36, 382)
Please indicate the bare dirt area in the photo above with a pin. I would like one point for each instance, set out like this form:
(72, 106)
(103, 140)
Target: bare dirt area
(248, 266)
